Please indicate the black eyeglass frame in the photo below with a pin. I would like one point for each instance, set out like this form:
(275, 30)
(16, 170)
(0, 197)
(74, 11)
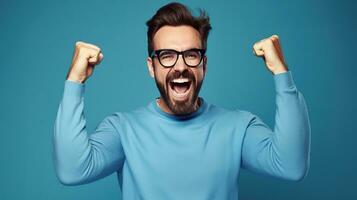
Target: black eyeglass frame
(156, 53)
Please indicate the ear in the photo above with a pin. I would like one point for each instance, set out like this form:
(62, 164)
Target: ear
(150, 67)
(204, 65)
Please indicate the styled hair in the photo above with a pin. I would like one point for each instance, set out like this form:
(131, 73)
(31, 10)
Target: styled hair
(176, 14)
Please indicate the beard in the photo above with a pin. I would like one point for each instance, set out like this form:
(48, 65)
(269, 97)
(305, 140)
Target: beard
(180, 107)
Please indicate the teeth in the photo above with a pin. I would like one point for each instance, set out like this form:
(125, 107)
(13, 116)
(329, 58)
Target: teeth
(180, 80)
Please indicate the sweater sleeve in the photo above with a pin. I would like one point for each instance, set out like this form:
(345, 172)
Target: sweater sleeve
(80, 157)
(285, 151)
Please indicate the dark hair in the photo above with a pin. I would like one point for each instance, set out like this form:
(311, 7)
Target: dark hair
(176, 14)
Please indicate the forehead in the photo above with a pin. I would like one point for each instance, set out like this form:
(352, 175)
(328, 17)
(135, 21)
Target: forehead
(177, 37)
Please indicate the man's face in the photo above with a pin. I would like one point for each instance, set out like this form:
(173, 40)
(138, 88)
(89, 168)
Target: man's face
(179, 85)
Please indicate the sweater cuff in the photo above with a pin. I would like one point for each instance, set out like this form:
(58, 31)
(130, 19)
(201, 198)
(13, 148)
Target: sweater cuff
(73, 90)
(284, 81)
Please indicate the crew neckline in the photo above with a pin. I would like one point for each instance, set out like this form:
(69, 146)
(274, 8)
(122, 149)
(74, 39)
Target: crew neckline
(164, 114)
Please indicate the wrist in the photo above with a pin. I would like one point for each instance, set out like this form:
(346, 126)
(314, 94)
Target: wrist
(280, 69)
(76, 79)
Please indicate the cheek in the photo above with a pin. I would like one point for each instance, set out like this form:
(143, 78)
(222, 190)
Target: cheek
(161, 76)
(199, 74)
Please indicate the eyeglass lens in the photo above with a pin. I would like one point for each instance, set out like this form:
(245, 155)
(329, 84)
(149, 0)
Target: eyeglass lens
(168, 58)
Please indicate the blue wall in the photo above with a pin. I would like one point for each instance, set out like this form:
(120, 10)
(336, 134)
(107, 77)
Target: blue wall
(36, 46)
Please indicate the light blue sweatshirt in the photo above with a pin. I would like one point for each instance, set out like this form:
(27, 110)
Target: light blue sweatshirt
(159, 156)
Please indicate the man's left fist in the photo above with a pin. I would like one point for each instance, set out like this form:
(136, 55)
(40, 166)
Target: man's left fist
(270, 50)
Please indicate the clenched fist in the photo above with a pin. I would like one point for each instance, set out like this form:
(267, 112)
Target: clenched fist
(270, 50)
(85, 57)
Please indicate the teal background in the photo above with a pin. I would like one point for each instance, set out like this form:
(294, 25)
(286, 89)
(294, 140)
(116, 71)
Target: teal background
(36, 45)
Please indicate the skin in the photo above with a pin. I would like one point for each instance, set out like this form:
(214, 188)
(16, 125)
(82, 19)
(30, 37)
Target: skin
(179, 38)
(270, 50)
(86, 56)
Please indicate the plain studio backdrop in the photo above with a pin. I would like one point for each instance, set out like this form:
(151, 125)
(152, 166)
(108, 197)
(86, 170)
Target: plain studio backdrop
(37, 39)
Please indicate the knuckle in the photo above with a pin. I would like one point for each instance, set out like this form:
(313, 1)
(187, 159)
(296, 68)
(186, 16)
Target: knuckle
(93, 46)
(96, 48)
(269, 42)
(79, 43)
(81, 49)
(94, 52)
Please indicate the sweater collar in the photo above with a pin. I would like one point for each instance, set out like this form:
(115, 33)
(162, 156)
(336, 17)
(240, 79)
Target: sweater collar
(195, 114)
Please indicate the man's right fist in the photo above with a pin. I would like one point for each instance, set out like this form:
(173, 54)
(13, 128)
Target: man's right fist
(85, 57)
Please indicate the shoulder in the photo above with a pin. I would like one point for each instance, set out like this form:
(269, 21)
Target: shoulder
(124, 116)
(231, 114)
(121, 120)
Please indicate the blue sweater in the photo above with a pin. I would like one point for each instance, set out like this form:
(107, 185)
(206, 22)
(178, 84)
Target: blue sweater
(199, 156)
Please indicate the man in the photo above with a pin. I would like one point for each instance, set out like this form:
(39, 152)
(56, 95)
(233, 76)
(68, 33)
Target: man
(180, 146)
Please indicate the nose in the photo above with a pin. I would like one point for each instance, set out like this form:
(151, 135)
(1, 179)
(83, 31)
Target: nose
(180, 64)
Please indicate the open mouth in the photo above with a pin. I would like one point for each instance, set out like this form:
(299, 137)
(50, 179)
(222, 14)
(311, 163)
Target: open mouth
(180, 88)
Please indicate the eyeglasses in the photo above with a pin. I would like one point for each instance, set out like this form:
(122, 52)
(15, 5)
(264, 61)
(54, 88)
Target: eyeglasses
(169, 57)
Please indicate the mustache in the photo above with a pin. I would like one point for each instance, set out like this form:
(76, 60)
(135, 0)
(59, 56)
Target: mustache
(177, 74)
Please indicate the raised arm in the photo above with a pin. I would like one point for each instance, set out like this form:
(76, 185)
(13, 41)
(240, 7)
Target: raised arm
(282, 152)
(80, 157)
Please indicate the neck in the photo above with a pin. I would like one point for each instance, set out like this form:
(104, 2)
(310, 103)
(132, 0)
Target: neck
(163, 106)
